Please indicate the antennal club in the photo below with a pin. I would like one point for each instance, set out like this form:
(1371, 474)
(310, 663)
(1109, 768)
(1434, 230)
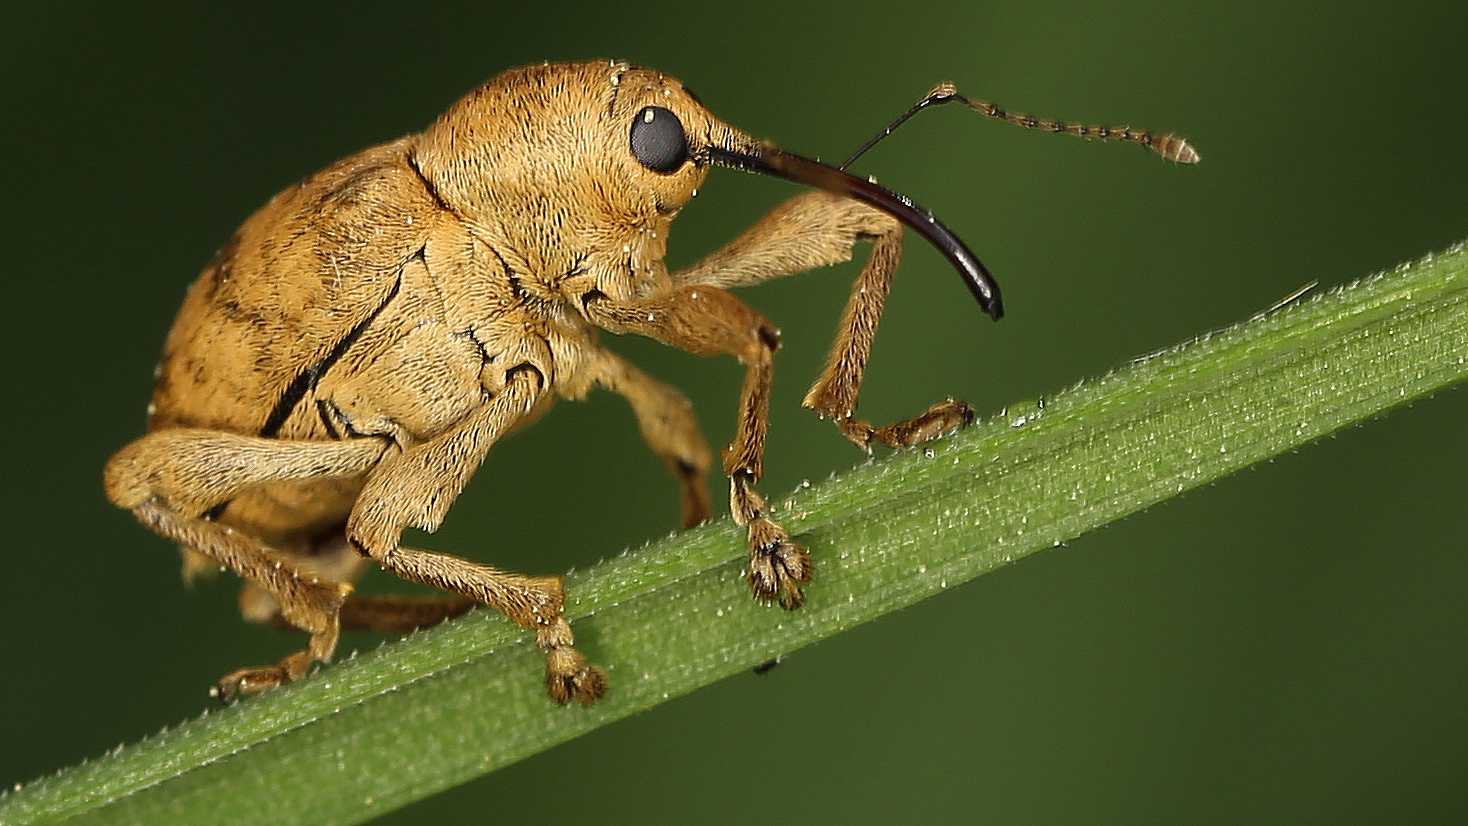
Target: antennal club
(1169, 146)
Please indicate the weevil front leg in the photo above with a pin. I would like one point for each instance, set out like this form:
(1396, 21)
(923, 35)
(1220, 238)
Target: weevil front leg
(816, 229)
(170, 479)
(415, 488)
(709, 321)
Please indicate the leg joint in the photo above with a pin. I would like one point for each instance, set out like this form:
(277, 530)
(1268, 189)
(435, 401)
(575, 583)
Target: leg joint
(769, 336)
(527, 369)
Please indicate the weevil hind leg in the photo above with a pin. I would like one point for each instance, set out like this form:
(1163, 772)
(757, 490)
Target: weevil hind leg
(306, 602)
(171, 479)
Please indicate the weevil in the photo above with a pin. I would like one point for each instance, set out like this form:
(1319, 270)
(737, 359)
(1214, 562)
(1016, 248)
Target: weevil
(343, 365)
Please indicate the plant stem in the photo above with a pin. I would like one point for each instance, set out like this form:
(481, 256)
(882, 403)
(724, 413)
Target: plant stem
(466, 698)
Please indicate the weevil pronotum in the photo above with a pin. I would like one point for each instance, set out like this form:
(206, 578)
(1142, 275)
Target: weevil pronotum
(341, 368)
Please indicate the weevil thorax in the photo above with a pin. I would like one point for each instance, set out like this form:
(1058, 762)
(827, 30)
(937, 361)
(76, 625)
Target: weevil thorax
(573, 172)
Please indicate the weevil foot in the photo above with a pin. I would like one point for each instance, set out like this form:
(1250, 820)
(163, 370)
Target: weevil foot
(570, 677)
(247, 682)
(777, 566)
(941, 419)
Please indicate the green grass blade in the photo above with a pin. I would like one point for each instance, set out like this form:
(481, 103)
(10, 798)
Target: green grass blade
(374, 733)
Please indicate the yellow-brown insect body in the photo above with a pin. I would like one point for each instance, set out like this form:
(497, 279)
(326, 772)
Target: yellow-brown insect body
(342, 367)
(428, 257)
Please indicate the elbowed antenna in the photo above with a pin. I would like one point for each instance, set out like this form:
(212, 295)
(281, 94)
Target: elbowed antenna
(1172, 147)
(768, 160)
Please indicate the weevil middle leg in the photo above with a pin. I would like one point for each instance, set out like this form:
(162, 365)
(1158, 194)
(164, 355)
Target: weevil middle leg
(668, 425)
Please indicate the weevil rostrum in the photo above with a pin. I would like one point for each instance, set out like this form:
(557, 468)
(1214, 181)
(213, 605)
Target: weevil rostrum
(342, 366)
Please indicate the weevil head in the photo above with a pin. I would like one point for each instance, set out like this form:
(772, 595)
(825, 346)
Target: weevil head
(578, 161)
(579, 168)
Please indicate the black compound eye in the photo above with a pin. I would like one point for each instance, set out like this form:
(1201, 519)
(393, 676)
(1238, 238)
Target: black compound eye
(658, 142)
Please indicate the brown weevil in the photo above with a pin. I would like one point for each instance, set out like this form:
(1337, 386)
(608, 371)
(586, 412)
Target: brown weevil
(341, 368)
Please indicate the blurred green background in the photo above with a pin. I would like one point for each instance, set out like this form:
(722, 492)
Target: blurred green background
(1287, 645)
